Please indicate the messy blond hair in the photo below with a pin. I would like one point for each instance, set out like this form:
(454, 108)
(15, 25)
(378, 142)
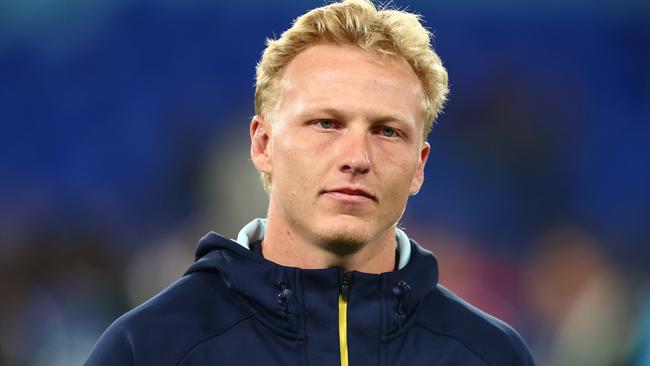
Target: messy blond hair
(354, 22)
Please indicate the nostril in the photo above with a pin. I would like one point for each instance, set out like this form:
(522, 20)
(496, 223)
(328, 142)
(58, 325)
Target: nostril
(356, 162)
(355, 168)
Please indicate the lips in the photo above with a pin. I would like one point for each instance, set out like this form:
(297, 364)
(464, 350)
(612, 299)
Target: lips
(351, 192)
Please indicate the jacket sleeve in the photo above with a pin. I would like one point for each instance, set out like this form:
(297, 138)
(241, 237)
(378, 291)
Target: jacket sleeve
(114, 347)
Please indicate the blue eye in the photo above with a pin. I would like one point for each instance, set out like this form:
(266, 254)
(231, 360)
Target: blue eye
(388, 132)
(326, 123)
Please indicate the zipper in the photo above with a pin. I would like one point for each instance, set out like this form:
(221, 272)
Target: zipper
(344, 295)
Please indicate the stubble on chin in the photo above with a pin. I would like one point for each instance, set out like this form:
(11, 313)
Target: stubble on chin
(342, 244)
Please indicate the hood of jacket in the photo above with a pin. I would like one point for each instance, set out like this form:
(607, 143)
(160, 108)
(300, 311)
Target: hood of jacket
(296, 302)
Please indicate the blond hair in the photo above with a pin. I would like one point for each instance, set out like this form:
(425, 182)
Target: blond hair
(356, 22)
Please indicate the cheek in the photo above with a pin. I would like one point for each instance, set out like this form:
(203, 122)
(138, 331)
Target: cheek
(399, 170)
(296, 163)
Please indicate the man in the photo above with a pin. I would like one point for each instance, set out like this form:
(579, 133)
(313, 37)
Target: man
(344, 100)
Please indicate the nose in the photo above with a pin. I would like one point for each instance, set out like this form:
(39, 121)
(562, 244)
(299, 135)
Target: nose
(355, 157)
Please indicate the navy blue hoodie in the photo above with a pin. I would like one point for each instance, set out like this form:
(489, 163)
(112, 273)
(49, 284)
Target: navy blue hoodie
(233, 307)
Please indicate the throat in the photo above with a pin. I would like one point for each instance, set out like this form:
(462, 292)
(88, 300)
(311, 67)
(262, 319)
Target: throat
(368, 259)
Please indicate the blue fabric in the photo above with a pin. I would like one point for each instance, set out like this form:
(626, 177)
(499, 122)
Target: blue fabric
(233, 307)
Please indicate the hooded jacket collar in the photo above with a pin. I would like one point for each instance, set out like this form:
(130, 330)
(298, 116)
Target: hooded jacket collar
(295, 301)
(254, 231)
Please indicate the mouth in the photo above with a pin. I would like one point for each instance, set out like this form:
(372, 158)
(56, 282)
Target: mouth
(350, 194)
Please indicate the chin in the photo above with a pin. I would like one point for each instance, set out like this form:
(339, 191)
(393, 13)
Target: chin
(343, 244)
(344, 240)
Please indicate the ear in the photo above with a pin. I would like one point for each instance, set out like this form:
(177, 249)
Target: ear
(260, 147)
(418, 178)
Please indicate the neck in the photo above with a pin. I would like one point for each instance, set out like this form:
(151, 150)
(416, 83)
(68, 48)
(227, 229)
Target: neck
(286, 246)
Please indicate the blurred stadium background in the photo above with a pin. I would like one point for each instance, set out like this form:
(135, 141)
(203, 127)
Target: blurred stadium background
(123, 140)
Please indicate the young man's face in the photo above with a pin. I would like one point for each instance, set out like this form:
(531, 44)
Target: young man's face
(344, 150)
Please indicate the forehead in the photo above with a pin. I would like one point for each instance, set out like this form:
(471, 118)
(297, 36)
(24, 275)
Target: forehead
(348, 76)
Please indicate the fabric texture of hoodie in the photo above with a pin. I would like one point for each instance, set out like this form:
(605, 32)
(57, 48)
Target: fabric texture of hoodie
(233, 307)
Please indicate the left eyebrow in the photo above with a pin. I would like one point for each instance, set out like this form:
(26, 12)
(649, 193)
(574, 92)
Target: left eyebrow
(388, 119)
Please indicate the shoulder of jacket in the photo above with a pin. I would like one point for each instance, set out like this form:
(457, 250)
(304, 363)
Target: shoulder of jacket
(489, 338)
(196, 300)
(196, 307)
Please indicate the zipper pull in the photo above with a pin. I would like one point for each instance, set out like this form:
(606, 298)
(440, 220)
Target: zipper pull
(345, 286)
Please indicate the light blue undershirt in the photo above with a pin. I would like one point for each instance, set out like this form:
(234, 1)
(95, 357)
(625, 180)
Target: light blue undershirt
(255, 230)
